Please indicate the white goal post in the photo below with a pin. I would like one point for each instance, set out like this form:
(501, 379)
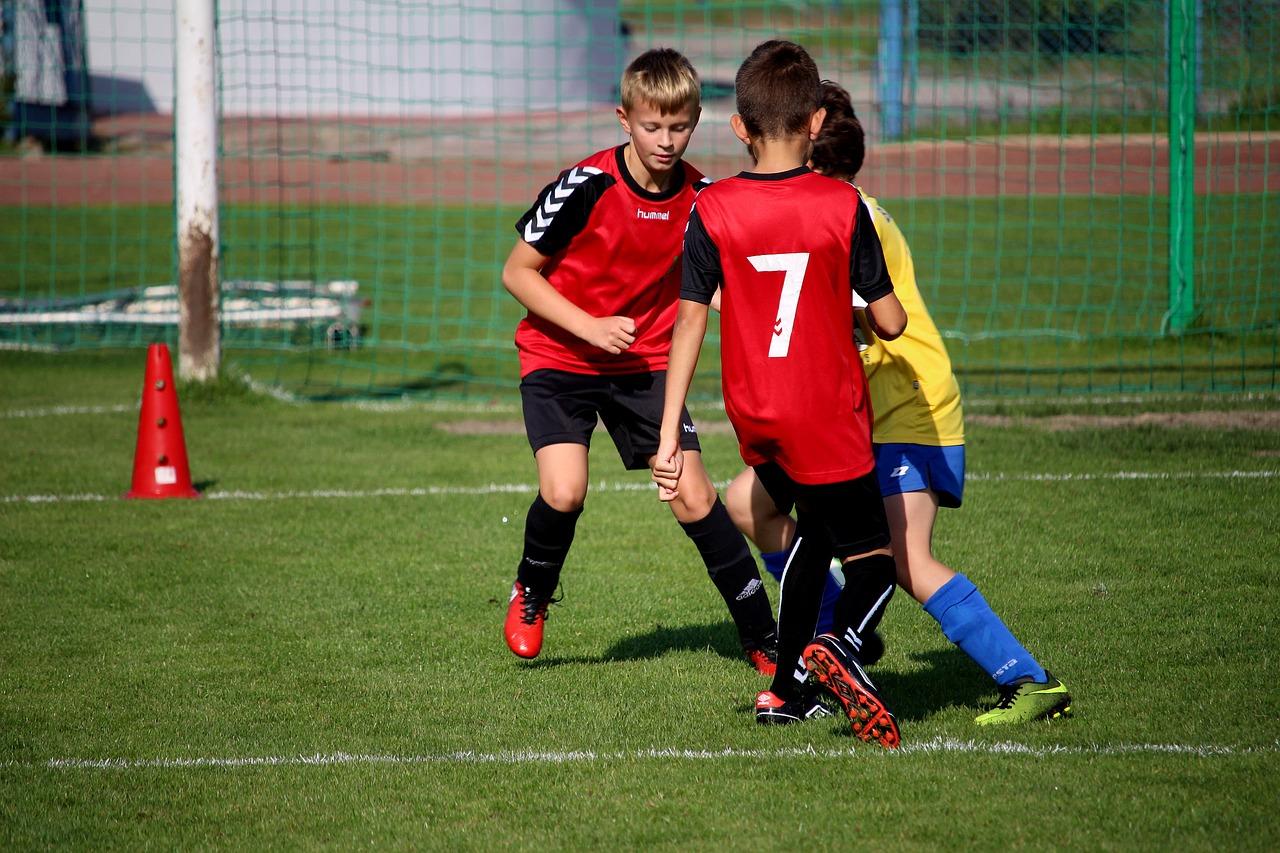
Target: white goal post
(195, 119)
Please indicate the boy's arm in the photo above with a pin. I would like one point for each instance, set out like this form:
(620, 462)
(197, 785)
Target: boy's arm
(887, 317)
(522, 276)
(686, 344)
(700, 278)
(870, 277)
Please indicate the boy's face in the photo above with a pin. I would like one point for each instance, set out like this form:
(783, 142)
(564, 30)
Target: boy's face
(658, 139)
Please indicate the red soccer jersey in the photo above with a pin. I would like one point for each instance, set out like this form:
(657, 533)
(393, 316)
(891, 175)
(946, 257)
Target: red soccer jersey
(612, 249)
(785, 249)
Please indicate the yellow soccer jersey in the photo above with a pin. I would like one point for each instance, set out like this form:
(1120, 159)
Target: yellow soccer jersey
(914, 395)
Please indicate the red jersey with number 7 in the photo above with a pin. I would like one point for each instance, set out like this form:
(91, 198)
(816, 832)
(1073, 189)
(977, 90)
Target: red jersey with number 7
(786, 249)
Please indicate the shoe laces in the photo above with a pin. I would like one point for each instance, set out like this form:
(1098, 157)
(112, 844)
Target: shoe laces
(534, 607)
(1008, 695)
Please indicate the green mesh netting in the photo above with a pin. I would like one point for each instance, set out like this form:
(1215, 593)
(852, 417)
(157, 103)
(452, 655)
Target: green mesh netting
(1032, 152)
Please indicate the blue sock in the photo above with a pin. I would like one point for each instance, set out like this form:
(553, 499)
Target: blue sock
(970, 623)
(776, 561)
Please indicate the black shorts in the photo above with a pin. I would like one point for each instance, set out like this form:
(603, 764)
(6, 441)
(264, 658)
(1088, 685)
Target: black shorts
(562, 408)
(851, 511)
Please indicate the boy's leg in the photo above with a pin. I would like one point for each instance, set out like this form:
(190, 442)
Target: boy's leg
(960, 609)
(868, 586)
(559, 415)
(851, 515)
(772, 529)
(633, 416)
(800, 595)
(724, 551)
(552, 518)
(548, 532)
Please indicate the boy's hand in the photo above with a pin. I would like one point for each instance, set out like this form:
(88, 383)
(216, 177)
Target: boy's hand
(611, 334)
(668, 464)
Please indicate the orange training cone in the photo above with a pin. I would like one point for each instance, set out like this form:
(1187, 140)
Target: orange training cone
(160, 461)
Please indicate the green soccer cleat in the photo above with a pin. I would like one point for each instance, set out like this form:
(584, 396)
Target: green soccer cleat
(1025, 700)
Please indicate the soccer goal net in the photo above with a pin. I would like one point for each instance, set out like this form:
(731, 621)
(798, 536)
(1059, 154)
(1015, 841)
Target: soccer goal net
(1090, 188)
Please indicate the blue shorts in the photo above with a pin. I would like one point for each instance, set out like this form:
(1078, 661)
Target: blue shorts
(916, 467)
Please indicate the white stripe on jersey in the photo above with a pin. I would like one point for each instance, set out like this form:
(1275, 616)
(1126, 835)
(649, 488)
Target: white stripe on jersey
(543, 216)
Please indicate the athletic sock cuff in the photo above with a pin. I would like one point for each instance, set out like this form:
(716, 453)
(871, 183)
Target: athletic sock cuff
(949, 595)
(718, 539)
(774, 563)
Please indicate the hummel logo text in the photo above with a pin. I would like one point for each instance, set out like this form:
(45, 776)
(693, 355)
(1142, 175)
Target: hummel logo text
(690, 428)
(664, 215)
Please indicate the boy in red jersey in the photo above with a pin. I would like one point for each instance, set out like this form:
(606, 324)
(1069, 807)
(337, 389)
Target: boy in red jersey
(918, 439)
(597, 268)
(785, 246)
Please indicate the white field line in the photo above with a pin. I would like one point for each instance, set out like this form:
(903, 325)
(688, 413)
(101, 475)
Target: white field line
(503, 407)
(632, 486)
(54, 411)
(934, 746)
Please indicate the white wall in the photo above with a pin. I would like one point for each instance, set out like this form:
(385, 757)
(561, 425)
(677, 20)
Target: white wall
(367, 58)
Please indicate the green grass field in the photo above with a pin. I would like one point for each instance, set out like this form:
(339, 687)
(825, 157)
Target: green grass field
(310, 655)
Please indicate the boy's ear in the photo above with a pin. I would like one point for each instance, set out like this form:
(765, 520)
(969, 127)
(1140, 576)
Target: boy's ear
(622, 119)
(815, 122)
(740, 129)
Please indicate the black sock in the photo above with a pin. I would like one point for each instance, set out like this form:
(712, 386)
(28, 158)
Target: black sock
(548, 533)
(803, 580)
(734, 573)
(868, 585)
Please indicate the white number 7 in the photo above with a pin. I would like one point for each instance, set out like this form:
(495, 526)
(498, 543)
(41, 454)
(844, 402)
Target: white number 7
(793, 264)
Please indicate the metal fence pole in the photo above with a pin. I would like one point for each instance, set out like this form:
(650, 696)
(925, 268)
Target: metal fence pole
(1182, 156)
(890, 69)
(196, 178)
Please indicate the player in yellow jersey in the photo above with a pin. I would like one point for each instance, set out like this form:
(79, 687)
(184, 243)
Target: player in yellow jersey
(918, 434)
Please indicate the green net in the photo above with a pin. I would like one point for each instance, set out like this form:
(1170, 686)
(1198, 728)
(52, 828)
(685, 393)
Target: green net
(1091, 188)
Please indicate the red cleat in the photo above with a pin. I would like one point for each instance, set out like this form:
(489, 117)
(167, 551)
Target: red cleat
(764, 660)
(526, 615)
(838, 670)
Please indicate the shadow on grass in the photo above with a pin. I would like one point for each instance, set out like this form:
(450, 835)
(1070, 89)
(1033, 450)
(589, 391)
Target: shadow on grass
(718, 637)
(947, 677)
(449, 376)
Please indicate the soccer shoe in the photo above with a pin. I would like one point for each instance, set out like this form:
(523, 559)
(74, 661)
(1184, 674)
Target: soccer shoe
(526, 614)
(762, 654)
(839, 671)
(1025, 700)
(773, 711)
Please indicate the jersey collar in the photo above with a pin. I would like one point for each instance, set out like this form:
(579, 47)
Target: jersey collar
(677, 180)
(775, 176)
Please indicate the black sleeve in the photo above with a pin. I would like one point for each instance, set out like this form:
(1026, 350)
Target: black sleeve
(562, 209)
(867, 269)
(701, 273)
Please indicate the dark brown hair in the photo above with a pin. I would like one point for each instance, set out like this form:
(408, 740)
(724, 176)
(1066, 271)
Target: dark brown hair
(777, 89)
(841, 145)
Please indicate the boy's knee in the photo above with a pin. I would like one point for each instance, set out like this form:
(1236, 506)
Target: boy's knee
(737, 500)
(565, 497)
(695, 501)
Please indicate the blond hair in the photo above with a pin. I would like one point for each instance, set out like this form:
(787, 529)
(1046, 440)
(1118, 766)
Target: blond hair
(662, 77)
